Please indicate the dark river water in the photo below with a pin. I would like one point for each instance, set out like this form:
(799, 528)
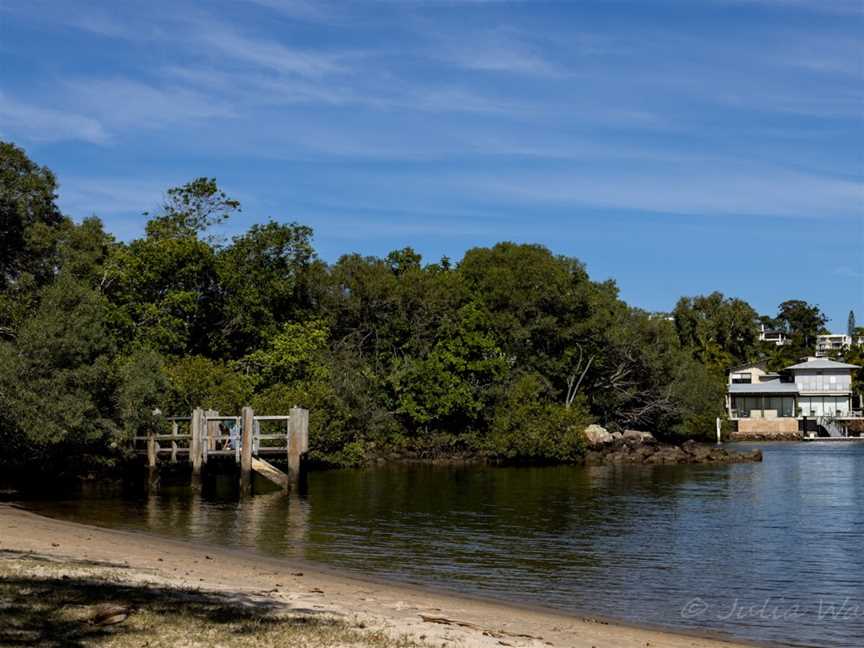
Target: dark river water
(771, 552)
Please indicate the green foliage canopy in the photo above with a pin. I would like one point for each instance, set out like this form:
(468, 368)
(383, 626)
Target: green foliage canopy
(506, 354)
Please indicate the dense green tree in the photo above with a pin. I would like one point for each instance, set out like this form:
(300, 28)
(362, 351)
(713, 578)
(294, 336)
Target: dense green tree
(166, 295)
(28, 213)
(384, 310)
(143, 392)
(546, 313)
(30, 227)
(263, 277)
(530, 426)
(295, 353)
(529, 294)
(855, 355)
(89, 254)
(58, 381)
(196, 381)
(452, 386)
(721, 330)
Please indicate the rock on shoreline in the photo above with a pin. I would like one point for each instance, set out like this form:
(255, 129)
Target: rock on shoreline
(636, 447)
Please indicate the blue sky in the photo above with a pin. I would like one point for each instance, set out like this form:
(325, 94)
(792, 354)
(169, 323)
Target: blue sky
(677, 146)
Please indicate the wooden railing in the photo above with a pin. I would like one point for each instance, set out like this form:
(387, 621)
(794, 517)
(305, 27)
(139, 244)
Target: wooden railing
(211, 434)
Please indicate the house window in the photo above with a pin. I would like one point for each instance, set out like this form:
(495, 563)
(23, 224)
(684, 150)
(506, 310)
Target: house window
(743, 406)
(824, 405)
(742, 378)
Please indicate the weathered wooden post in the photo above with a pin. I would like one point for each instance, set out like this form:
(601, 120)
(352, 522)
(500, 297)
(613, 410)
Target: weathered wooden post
(248, 422)
(152, 471)
(195, 446)
(298, 441)
(174, 442)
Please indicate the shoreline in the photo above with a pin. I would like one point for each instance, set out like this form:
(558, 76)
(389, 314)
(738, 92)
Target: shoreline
(425, 615)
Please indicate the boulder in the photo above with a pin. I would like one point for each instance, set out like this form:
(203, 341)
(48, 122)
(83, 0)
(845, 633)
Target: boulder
(753, 455)
(667, 455)
(594, 458)
(644, 451)
(701, 453)
(644, 437)
(617, 457)
(597, 435)
(617, 436)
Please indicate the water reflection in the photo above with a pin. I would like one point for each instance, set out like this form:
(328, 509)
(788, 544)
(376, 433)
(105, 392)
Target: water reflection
(636, 543)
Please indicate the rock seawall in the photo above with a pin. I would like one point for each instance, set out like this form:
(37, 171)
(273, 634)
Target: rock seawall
(766, 436)
(635, 447)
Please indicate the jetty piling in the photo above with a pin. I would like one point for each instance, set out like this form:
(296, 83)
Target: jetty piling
(247, 416)
(195, 445)
(298, 440)
(152, 469)
(174, 430)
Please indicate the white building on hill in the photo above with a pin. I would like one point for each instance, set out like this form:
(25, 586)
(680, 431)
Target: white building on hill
(835, 342)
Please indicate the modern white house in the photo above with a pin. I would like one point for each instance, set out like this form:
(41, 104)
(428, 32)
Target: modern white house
(835, 342)
(813, 396)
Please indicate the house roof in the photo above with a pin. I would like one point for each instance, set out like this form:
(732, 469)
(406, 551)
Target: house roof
(759, 364)
(770, 387)
(822, 363)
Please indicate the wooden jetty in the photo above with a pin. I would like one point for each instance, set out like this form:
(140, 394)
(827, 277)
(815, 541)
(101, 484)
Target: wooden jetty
(206, 434)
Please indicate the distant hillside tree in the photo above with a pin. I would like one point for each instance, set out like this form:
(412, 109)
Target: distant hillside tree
(801, 322)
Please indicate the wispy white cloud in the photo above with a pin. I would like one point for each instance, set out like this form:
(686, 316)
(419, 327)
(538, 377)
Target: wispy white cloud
(849, 271)
(831, 7)
(122, 103)
(496, 50)
(309, 10)
(99, 23)
(691, 191)
(407, 99)
(37, 123)
(457, 99)
(264, 90)
(266, 53)
(835, 54)
(256, 89)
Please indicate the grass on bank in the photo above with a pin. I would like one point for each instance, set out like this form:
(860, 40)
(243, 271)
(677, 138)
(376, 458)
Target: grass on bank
(48, 602)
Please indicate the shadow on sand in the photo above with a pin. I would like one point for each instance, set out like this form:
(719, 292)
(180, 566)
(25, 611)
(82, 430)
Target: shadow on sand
(51, 608)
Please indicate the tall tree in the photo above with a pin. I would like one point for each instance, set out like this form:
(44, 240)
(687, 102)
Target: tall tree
(30, 227)
(28, 209)
(167, 291)
(722, 331)
(191, 209)
(263, 282)
(802, 322)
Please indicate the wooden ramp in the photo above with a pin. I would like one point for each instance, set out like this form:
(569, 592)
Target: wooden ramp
(271, 472)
